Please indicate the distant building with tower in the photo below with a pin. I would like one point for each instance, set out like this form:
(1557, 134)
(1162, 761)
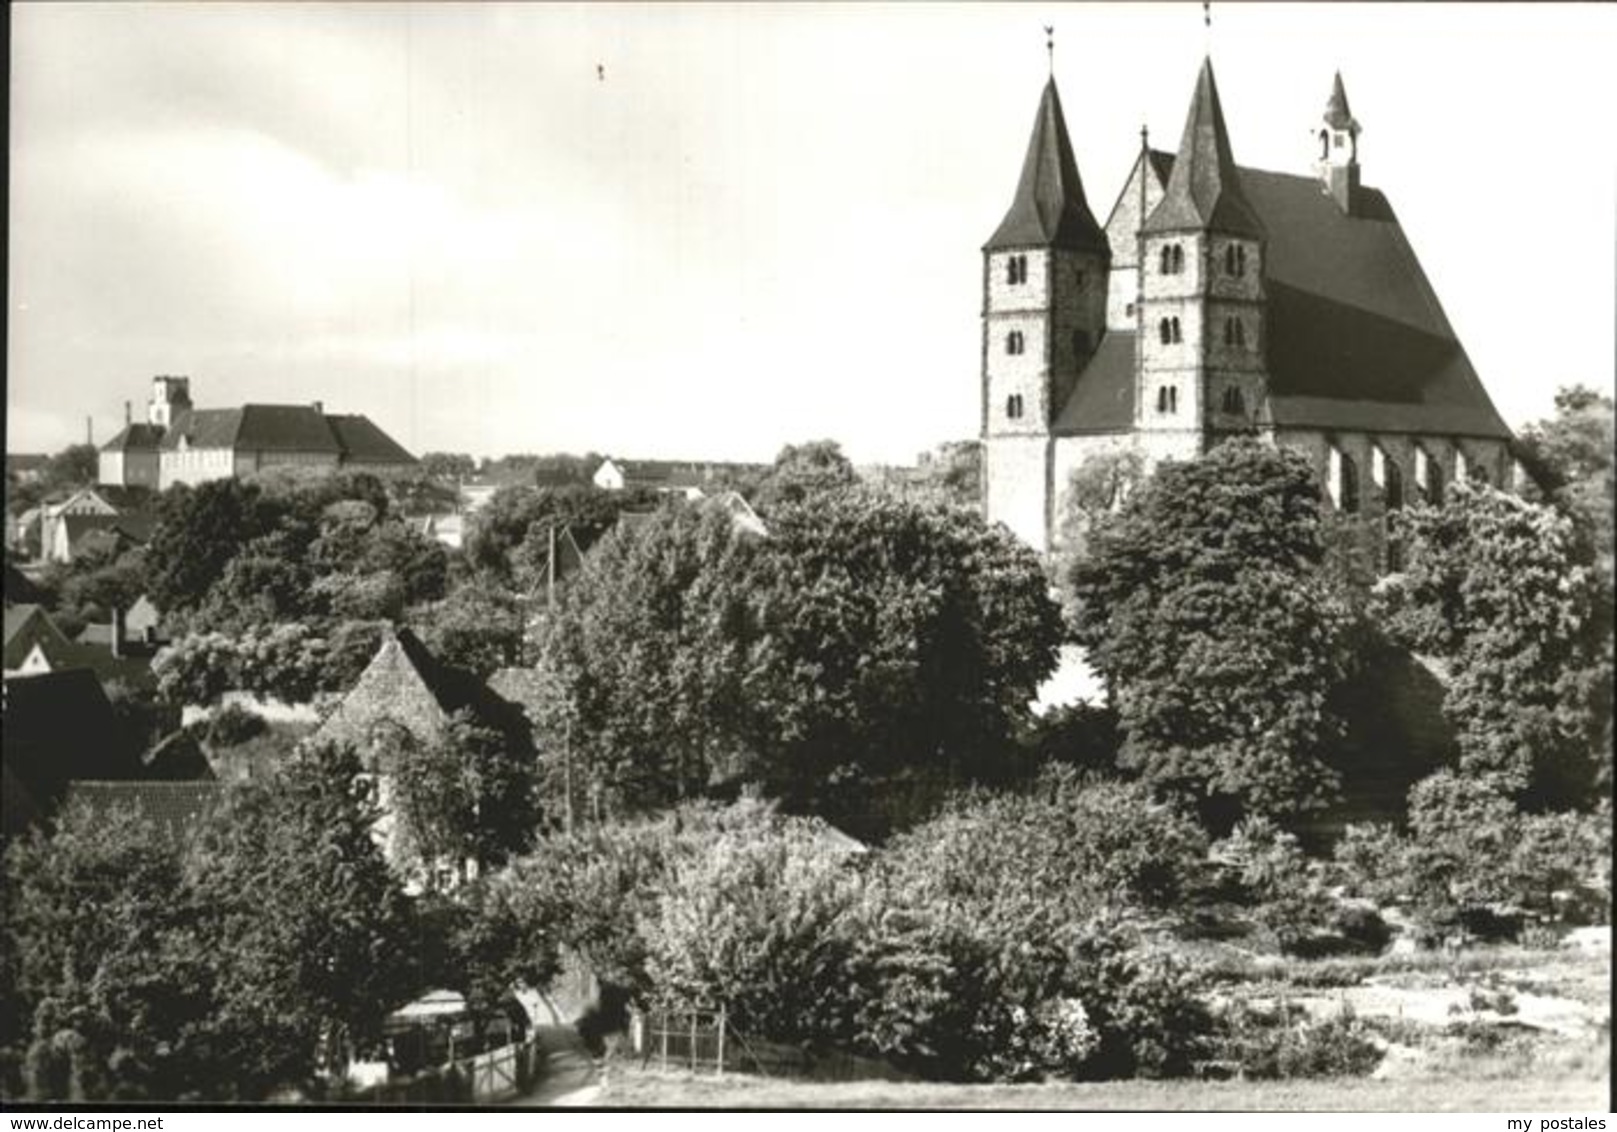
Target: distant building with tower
(1218, 300)
(178, 443)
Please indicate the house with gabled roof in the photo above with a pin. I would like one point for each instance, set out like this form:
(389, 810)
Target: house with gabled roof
(59, 727)
(690, 478)
(33, 643)
(179, 443)
(1219, 300)
(407, 697)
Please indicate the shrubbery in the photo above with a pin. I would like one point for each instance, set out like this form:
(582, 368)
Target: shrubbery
(1472, 861)
(802, 939)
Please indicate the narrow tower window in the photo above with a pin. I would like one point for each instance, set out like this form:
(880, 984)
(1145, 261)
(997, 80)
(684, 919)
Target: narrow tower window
(1013, 406)
(1174, 324)
(1178, 259)
(1324, 144)
(1168, 399)
(1166, 266)
(1240, 259)
(1013, 342)
(1016, 270)
(1165, 331)
(1234, 402)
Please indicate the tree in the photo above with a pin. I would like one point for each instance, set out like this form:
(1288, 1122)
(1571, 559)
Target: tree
(650, 647)
(1203, 606)
(1571, 454)
(803, 470)
(865, 637)
(77, 465)
(199, 531)
(109, 988)
(468, 796)
(318, 932)
(449, 466)
(1504, 590)
(478, 627)
(508, 537)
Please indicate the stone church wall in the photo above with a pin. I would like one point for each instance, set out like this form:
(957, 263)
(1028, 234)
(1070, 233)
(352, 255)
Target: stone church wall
(1016, 471)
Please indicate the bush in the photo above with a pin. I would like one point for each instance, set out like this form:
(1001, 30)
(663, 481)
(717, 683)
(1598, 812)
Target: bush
(1473, 863)
(759, 924)
(233, 724)
(1275, 1045)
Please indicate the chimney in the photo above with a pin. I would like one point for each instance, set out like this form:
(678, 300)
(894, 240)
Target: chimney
(116, 636)
(129, 413)
(319, 407)
(89, 430)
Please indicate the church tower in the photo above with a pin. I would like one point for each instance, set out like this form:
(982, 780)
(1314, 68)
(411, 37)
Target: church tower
(1200, 371)
(1044, 310)
(1338, 155)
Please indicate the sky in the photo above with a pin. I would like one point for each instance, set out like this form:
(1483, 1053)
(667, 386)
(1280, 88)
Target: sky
(705, 231)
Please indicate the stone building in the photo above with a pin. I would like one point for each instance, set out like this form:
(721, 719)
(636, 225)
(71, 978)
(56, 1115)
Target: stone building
(1218, 300)
(181, 444)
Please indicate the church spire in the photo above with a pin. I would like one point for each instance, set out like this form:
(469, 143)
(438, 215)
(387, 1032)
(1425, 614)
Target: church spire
(1337, 114)
(1204, 191)
(1049, 209)
(1338, 162)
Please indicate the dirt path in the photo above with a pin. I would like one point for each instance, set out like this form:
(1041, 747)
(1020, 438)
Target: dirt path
(571, 1078)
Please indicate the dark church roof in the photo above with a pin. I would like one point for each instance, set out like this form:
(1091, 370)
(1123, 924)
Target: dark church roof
(1204, 191)
(136, 437)
(1049, 209)
(1357, 338)
(362, 442)
(254, 428)
(285, 428)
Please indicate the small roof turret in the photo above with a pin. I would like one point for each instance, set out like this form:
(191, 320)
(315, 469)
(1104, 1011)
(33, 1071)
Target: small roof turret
(1049, 209)
(1204, 191)
(1337, 114)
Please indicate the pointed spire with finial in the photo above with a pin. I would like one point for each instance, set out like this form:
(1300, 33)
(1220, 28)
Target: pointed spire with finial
(1050, 209)
(1337, 114)
(1204, 190)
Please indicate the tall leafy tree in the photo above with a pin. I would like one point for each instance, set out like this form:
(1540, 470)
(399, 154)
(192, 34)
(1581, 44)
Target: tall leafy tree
(319, 933)
(1505, 591)
(805, 470)
(864, 637)
(199, 531)
(469, 796)
(1204, 607)
(110, 987)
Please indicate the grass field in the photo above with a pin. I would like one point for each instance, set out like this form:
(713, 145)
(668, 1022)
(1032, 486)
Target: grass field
(636, 1088)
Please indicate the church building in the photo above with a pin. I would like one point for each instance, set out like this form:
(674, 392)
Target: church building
(1219, 300)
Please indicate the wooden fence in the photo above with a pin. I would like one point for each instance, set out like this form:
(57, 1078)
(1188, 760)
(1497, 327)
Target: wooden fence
(704, 1041)
(495, 1075)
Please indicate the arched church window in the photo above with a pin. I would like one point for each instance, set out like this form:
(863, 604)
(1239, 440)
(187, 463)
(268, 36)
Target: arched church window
(1324, 144)
(1233, 401)
(1348, 486)
(1392, 492)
